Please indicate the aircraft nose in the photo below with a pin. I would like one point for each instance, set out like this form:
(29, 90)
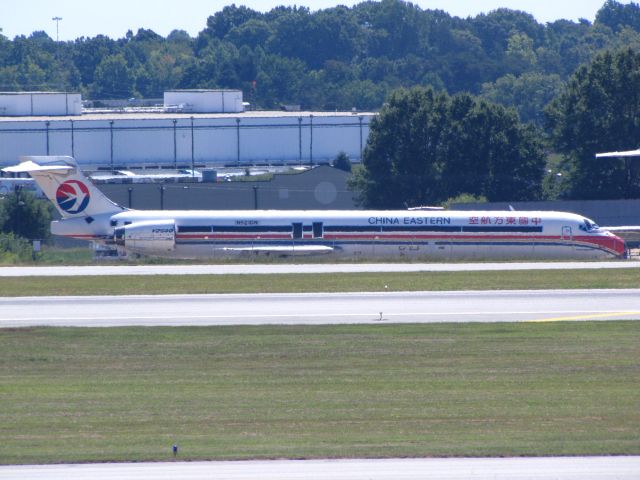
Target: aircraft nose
(619, 245)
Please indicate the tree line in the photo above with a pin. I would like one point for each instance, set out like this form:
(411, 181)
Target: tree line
(337, 58)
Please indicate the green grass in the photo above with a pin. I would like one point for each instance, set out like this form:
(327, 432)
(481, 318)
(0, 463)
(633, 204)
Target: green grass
(372, 282)
(64, 256)
(127, 394)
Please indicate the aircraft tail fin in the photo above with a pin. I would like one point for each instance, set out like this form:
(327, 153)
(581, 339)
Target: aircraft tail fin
(71, 192)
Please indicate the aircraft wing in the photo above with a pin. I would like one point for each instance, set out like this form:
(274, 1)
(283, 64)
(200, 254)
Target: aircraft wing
(282, 249)
(628, 153)
(629, 233)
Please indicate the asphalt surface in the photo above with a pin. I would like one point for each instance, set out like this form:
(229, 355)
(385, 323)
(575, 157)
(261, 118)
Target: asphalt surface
(321, 308)
(553, 468)
(259, 269)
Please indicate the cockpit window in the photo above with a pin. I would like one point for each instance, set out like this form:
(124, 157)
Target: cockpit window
(588, 225)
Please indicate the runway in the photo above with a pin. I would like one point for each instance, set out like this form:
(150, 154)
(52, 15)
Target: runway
(321, 308)
(267, 269)
(556, 468)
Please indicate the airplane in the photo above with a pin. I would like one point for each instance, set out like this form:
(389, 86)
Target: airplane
(193, 234)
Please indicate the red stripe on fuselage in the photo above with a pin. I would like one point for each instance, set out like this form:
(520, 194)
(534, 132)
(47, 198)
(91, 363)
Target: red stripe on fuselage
(610, 243)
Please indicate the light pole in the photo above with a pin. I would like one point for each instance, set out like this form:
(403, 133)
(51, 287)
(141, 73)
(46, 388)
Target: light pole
(57, 20)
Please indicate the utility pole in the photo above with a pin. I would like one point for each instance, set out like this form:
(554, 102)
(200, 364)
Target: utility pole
(57, 20)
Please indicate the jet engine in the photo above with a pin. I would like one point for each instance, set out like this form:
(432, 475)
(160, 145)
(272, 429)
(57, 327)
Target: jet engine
(147, 237)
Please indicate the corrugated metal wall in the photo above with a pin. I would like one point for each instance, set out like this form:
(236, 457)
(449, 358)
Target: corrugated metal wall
(40, 103)
(111, 141)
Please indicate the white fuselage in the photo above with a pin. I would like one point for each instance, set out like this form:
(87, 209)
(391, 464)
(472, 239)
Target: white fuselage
(437, 234)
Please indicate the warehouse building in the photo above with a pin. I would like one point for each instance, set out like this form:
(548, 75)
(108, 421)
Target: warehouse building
(192, 129)
(18, 104)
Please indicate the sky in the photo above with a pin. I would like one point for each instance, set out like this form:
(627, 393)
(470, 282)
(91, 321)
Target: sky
(113, 18)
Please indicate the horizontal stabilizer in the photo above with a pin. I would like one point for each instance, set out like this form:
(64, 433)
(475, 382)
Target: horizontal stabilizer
(53, 163)
(27, 167)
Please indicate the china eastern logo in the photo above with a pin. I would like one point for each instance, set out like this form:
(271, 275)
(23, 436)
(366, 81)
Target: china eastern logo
(72, 196)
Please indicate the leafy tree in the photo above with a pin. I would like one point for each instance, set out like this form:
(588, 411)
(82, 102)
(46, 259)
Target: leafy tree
(600, 111)
(291, 25)
(464, 65)
(496, 28)
(463, 198)
(520, 56)
(363, 95)
(252, 33)
(140, 48)
(334, 36)
(616, 15)
(426, 147)
(489, 153)
(402, 160)
(342, 162)
(31, 76)
(113, 78)
(565, 47)
(278, 80)
(393, 27)
(14, 249)
(164, 68)
(23, 215)
(180, 38)
(529, 94)
(89, 52)
(9, 80)
(230, 17)
(625, 38)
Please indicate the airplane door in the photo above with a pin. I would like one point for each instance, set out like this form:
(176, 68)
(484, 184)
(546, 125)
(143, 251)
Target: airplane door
(317, 230)
(567, 236)
(297, 230)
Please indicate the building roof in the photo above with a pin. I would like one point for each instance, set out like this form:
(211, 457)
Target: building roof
(131, 114)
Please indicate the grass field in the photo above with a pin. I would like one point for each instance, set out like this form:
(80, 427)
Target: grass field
(345, 282)
(127, 394)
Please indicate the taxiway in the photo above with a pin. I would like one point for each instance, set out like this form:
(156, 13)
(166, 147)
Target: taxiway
(268, 269)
